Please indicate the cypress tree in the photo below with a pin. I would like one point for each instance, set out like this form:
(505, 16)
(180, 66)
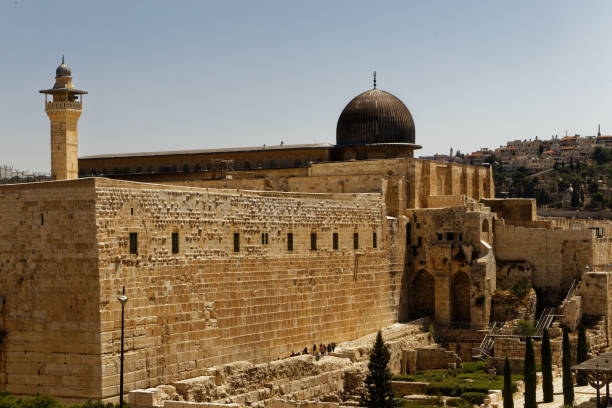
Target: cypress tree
(378, 392)
(568, 386)
(507, 392)
(582, 352)
(530, 375)
(547, 380)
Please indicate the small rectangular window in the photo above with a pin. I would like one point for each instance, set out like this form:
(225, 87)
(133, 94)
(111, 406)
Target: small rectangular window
(356, 240)
(335, 240)
(42, 219)
(313, 241)
(419, 242)
(236, 242)
(374, 240)
(439, 236)
(175, 242)
(134, 243)
(263, 238)
(450, 236)
(290, 241)
(131, 211)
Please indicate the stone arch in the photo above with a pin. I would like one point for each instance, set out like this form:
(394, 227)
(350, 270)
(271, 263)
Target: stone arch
(460, 297)
(423, 296)
(485, 225)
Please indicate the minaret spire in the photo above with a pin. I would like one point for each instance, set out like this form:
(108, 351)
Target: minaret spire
(62, 58)
(374, 79)
(599, 130)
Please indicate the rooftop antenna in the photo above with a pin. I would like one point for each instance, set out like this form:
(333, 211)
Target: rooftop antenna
(374, 79)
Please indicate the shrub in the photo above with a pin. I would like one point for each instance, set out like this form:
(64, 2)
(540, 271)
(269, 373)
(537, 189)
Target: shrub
(582, 352)
(547, 381)
(476, 398)
(568, 386)
(507, 390)
(520, 288)
(530, 376)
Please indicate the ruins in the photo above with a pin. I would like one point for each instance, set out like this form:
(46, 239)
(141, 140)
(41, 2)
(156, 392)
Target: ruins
(234, 258)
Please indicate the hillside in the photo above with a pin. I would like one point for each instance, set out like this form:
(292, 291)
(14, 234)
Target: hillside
(580, 185)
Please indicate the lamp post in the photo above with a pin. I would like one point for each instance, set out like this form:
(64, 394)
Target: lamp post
(123, 299)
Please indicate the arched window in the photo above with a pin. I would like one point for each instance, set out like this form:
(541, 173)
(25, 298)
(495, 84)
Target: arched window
(272, 164)
(485, 225)
(173, 169)
(247, 166)
(93, 172)
(138, 170)
(297, 163)
(197, 168)
(185, 168)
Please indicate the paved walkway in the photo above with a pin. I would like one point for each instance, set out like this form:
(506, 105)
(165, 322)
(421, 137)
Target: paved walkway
(581, 396)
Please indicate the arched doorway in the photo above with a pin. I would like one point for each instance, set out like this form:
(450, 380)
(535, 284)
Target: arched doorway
(460, 293)
(423, 301)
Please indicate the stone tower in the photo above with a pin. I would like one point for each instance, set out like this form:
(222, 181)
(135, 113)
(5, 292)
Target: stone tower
(64, 111)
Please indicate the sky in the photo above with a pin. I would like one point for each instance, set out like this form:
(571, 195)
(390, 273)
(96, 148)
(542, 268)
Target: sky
(171, 75)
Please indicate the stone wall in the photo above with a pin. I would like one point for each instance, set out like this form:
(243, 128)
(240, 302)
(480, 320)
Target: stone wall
(208, 305)
(558, 256)
(49, 290)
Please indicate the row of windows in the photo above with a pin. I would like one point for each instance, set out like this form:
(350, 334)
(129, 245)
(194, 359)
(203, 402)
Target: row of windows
(134, 243)
(264, 241)
(313, 241)
(272, 164)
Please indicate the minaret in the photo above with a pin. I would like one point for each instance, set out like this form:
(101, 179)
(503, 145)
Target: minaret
(64, 111)
(598, 130)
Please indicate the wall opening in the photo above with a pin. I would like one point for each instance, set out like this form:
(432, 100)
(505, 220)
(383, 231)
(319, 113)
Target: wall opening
(134, 243)
(408, 234)
(423, 300)
(313, 241)
(335, 240)
(460, 293)
(290, 241)
(175, 242)
(236, 242)
(485, 225)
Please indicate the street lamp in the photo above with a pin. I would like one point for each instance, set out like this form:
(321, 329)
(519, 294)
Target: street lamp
(123, 299)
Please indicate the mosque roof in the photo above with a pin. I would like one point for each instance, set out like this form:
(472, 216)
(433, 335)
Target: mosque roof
(211, 151)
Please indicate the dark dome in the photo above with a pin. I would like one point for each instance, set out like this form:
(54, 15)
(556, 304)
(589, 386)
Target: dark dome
(374, 116)
(63, 70)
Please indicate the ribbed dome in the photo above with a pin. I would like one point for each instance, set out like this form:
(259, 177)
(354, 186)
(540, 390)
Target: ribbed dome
(374, 116)
(63, 70)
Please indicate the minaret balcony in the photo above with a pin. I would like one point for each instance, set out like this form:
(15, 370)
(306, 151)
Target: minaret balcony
(63, 105)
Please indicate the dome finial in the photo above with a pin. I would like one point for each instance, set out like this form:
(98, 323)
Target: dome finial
(62, 58)
(374, 79)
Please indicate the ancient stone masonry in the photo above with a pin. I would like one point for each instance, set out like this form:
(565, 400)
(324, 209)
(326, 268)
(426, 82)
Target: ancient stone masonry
(221, 297)
(450, 265)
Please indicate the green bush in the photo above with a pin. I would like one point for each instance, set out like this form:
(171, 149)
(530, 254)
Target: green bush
(520, 288)
(474, 397)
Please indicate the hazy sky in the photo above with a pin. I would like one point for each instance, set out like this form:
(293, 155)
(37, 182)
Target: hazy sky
(166, 75)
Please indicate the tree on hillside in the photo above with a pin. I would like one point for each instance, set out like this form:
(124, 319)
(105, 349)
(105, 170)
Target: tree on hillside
(507, 391)
(582, 352)
(575, 198)
(547, 380)
(568, 383)
(378, 392)
(530, 375)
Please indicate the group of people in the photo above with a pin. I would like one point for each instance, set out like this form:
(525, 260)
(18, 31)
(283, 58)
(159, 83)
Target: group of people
(321, 350)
